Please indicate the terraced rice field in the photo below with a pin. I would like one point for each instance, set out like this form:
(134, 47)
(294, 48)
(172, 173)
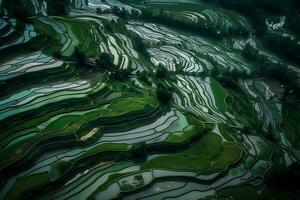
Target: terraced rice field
(74, 130)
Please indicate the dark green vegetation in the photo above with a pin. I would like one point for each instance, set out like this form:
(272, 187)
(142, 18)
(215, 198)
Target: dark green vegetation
(128, 99)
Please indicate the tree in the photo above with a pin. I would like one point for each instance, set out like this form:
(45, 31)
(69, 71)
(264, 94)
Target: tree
(287, 178)
(161, 72)
(122, 13)
(86, 2)
(164, 94)
(99, 10)
(61, 7)
(109, 26)
(57, 55)
(143, 77)
(139, 150)
(105, 60)
(135, 13)
(19, 9)
(79, 56)
(227, 80)
(293, 23)
(214, 72)
(250, 52)
(270, 135)
(280, 72)
(121, 75)
(139, 44)
(115, 10)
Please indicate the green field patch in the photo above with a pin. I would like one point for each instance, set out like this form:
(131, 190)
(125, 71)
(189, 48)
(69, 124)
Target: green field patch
(109, 147)
(124, 106)
(230, 154)
(248, 192)
(26, 184)
(209, 153)
(179, 162)
(220, 95)
(210, 145)
(58, 169)
(61, 122)
(184, 129)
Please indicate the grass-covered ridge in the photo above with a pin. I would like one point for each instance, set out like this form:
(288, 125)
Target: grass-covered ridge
(154, 99)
